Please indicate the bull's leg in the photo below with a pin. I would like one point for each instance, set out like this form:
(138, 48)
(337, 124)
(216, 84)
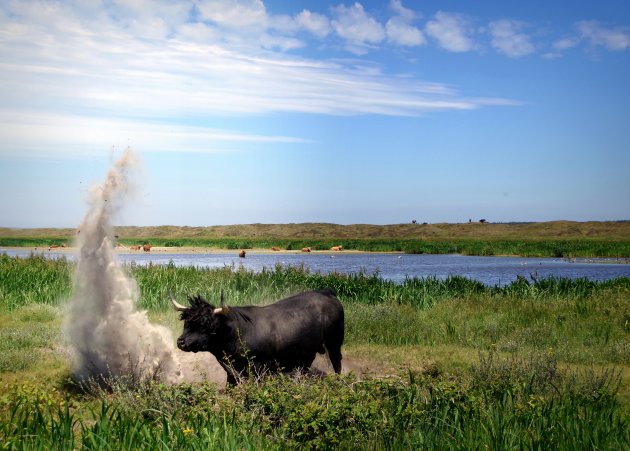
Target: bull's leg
(333, 344)
(334, 354)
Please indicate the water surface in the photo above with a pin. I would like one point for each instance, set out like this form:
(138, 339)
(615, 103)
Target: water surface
(395, 267)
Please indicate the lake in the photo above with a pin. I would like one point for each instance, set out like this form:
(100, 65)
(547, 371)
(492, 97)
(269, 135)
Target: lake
(395, 267)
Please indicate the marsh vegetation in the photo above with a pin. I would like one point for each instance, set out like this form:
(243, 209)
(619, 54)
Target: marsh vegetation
(455, 363)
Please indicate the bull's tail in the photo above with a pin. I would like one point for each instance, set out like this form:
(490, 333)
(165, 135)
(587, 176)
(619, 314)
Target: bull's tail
(333, 342)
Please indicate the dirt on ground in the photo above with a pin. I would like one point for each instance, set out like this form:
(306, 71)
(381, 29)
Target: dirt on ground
(203, 367)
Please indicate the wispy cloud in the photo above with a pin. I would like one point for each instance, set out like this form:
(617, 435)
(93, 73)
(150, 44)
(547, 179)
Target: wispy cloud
(597, 34)
(138, 64)
(565, 44)
(62, 60)
(80, 136)
(592, 35)
(175, 77)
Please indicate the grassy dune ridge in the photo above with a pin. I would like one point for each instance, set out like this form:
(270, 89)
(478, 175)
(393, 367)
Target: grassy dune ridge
(537, 364)
(604, 230)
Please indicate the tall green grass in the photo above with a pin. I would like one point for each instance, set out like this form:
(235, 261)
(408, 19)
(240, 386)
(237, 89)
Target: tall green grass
(39, 280)
(242, 286)
(516, 404)
(33, 280)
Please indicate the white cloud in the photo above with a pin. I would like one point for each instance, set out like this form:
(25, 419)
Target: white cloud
(315, 23)
(247, 24)
(399, 29)
(451, 31)
(406, 14)
(355, 26)
(596, 34)
(401, 33)
(233, 14)
(507, 39)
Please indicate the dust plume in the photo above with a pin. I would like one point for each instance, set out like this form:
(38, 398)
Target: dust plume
(109, 336)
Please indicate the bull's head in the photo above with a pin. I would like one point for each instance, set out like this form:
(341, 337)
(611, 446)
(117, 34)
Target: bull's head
(202, 322)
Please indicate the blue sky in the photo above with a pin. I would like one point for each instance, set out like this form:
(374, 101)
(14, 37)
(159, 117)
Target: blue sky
(316, 111)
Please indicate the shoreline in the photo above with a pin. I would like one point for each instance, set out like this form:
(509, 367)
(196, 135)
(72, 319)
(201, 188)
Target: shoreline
(184, 250)
(189, 250)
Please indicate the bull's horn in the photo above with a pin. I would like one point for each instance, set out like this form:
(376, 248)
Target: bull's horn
(221, 310)
(178, 307)
(224, 309)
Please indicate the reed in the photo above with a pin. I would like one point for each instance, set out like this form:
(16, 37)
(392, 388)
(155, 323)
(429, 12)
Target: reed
(33, 280)
(36, 279)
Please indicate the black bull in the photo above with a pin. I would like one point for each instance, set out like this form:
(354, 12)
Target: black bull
(284, 336)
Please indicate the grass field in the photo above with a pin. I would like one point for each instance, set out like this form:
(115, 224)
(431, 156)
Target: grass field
(549, 239)
(539, 364)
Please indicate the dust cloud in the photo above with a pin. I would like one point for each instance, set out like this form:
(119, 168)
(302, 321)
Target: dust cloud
(109, 336)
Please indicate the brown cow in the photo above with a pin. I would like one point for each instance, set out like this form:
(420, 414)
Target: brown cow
(242, 253)
(275, 249)
(336, 248)
(146, 247)
(306, 249)
(135, 248)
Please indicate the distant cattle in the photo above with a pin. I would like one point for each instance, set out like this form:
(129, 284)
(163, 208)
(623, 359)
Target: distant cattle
(306, 249)
(146, 247)
(275, 249)
(242, 253)
(56, 246)
(336, 248)
(135, 248)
